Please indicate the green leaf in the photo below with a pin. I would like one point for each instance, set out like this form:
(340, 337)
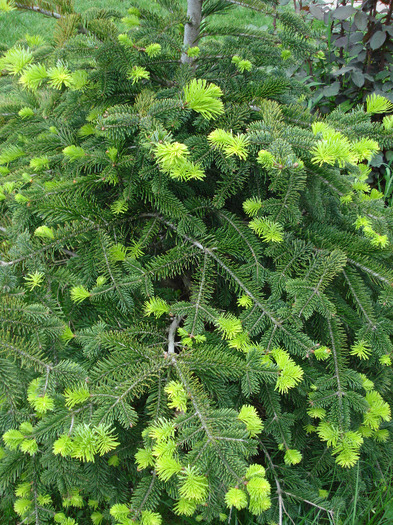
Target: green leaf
(341, 13)
(378, 39)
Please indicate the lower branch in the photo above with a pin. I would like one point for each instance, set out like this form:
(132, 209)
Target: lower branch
(38, 9)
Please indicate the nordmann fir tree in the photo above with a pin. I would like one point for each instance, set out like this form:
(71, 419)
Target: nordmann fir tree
(195, 279)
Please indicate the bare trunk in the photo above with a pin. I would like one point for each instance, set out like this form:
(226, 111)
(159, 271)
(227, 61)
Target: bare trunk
(191, 29)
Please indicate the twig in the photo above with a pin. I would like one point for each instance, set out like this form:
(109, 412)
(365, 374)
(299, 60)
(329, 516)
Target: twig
(278, 486)
(45, 12)
(329, 511)
(172, 333)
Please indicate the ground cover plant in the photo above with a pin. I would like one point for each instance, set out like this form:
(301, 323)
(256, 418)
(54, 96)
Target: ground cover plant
(195, 278)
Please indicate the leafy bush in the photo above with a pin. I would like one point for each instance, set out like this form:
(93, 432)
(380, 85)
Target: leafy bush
(196, 282)
(354, 59)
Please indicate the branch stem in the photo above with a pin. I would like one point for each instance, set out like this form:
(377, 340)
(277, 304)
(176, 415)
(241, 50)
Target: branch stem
(172, 334)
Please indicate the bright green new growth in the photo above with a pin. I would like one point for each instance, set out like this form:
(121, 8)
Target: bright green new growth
(7, 5)
(138, 73)
(153, 50)
(60, 76)
(15, 60)
(177, 396)
(34, 279)
(79, 294)
(236, 498)
(378, 104)
(26, 112)
(258, 490)
(248, 415)
(204, 98)
(73, 153)
(290, 373)
(33, 76)
(76, 397)
(173, 160)
(229, 144)
(242, 65)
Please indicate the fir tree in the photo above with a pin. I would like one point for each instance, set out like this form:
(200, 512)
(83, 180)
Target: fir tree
(195, 276)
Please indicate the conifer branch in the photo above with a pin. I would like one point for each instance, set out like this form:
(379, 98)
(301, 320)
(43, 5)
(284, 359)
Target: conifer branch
(328, 511)
(211, 438)
(315, 291)
(55, 244)
(197, 303)
(370, 271)
(25, 355)
(340, 392)
(77, 188)
(257, 302)
(358, 301)
(37, 9)
(137, 512)
(242, 236)
(276, 418)
(276, 480)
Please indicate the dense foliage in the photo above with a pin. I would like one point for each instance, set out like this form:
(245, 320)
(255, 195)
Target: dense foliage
(195, 279)
(354, 59)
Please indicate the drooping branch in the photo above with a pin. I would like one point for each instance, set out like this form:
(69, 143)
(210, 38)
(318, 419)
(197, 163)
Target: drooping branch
(46, 12)
(38, 9)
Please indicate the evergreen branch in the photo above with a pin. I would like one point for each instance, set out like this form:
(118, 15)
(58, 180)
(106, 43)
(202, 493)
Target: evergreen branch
(76, 188)
(271, 339)
(146, 496)
(370, 271)
(37, 9)
(276, 418)
(340, 392)
(197, 304)
(257, 321)
(242, 236)
(8, 347)
(112, 277)
(139, 377)
(54, 244)
(242, 286)
(276, 480)
(211, 437)
(315, 291)
(328, 511)
(337, 191)
(359, 303)
(193, 401)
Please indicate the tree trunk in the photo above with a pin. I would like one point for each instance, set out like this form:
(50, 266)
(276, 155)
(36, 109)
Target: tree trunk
(191, 29)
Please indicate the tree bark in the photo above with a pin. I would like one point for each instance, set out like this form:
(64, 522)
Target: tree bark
(192, 28)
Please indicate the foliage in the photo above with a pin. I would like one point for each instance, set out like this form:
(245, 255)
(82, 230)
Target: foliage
(354, 58)
(195, 278)
(353, 63)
